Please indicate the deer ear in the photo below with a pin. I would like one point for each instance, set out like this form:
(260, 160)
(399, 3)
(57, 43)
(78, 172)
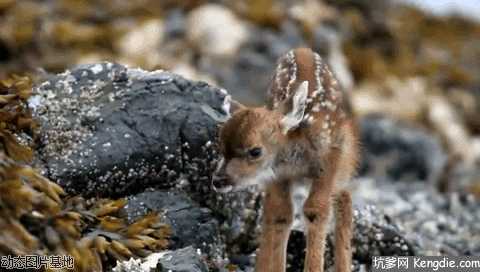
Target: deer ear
(299, 103)
(229, 107)
(234, 106)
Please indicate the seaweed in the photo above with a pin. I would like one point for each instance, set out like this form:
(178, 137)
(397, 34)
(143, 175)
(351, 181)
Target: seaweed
(15, 117)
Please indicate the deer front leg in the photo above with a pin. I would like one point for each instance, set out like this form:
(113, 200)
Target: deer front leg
(343, 232)
(277, 221)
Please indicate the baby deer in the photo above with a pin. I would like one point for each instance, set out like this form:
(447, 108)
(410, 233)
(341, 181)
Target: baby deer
(305, 140)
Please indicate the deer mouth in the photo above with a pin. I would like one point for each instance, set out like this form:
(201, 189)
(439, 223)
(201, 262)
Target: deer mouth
(221, 184)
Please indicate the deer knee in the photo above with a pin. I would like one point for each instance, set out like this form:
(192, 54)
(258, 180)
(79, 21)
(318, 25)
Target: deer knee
(316, 215)
(279, 220)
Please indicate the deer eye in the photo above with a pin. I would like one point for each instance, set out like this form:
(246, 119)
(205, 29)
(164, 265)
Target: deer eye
(255, 152)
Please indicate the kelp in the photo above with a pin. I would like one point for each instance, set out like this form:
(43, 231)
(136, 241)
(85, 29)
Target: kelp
(404, 41)
(15, 117)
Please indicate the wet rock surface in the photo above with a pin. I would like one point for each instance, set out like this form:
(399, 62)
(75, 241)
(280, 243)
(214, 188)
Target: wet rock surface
(182, 260)
(191, 224)
(110, 130)
(396, 151)
(437, 224)
(375, 234)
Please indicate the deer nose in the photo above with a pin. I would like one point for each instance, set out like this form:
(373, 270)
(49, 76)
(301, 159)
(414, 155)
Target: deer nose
(220, 180)
(221, 183)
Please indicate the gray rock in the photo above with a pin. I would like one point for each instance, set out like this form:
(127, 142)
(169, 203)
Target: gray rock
(191, 224)
(395, 151)
(439, 224)
(374, 234)
(110, 130)
(215, 30)
(182, 260)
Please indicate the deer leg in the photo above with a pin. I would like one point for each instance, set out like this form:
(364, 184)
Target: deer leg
(317, 213)
(343, 232)
(277, 221)
(316, 210)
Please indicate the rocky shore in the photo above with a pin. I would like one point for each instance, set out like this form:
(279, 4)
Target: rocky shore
(111, 131)
(133, 149)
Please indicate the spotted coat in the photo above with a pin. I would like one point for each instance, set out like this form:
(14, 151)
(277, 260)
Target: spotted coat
(326, 102)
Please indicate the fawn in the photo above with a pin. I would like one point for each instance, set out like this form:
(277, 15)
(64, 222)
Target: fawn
(305, 140)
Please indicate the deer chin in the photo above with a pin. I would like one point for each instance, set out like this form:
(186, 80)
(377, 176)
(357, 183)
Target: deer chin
(261, 178)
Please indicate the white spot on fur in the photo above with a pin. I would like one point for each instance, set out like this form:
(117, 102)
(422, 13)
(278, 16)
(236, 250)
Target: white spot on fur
(291, 59)
(330, 106)
(299, 193)
(261, 178)
(318, 64)
(310, 120)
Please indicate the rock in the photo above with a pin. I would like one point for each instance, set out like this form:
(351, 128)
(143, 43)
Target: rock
(439, 225)
(191, 224)
(215, 30)
(446, 120)
(396, 151)
(374, 235)
(312, 13)
(377, 234)
(403, 99)
(182, 260)
(467, 104)
(147, 264)
(109, 130)
(141, 44)
(175, 24)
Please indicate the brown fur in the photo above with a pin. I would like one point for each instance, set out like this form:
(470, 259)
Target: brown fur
(320, 149)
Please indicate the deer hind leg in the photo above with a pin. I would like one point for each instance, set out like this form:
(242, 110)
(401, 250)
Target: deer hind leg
(277, 221)
(343, 231)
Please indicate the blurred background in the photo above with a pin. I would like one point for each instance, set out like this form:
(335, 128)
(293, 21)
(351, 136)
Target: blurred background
(412, 67)
(412, 60)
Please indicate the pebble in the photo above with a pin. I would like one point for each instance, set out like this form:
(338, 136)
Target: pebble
(216, 30)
